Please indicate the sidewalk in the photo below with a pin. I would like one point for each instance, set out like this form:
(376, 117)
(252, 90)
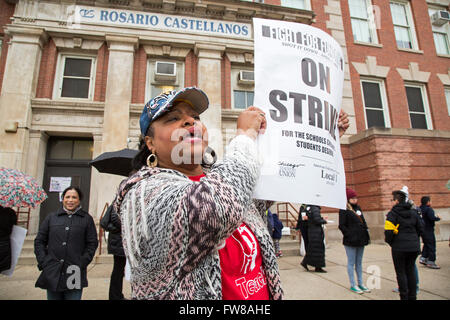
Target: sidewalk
(298, 284)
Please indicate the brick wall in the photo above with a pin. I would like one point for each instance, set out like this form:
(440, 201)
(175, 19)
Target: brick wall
(383, 163)
(6, 12)
(47, 69)
(190, 66)
(139, 76)
(225, 66)
(389, 55)
(101, 73)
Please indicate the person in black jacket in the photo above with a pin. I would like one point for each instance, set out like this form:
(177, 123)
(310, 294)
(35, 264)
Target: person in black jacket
(64, 247)
(354, 229)
(428, 257)
(8, 218)
(315, 252)
(402, 230)
(115, 247)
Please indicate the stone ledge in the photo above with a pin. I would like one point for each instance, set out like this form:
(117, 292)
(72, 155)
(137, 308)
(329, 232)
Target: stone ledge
(47, 104)
(400, 132)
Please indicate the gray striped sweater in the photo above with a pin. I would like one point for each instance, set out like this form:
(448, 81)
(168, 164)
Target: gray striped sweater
(172, 227)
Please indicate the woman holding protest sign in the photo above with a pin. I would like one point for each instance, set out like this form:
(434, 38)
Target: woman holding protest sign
(189, 225)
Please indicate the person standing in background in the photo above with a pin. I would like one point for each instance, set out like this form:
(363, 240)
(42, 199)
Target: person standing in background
(402, 230)
(64, 247)
(277, 234)
(356, 236)
(8, 218)
(315, 252)
(428, 257)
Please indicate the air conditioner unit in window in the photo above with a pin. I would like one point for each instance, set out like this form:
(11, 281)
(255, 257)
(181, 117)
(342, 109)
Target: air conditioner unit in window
(246, 77)
(440, 17)
(165, 71)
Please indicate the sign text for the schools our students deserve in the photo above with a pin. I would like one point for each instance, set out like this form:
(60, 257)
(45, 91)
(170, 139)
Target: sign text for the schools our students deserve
(299, 75)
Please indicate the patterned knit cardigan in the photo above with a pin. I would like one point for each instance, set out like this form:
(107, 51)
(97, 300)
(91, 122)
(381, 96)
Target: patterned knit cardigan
(172, 227)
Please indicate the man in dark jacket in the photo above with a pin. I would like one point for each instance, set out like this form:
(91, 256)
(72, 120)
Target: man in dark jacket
(402, 230)
(64, 247)
(8, 218)
(315, 252)
(429, 240)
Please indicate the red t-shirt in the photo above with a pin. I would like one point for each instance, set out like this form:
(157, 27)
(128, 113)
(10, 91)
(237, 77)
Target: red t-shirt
(242, 271)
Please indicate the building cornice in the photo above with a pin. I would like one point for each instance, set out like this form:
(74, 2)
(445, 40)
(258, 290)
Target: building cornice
(228, 10)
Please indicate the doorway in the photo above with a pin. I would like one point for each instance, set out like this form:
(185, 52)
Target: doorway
(66, 164)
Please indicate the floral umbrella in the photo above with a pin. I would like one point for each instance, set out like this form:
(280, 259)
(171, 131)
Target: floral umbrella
(19, 190)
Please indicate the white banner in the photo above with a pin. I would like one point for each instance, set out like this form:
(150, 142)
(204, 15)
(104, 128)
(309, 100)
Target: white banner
(299, 75)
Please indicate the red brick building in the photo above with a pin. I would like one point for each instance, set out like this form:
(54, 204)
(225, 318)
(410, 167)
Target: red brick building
(396, 91)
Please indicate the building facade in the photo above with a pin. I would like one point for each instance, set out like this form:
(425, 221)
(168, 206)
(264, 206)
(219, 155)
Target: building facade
(74, 77)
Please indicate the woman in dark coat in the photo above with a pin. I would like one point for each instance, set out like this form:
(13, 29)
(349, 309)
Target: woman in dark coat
(402, 230)
(8, 219)
(315, 252)
(64, 247)
(354, 229)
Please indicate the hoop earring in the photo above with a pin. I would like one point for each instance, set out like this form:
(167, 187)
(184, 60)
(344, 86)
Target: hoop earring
(152, 160)
(210, 157)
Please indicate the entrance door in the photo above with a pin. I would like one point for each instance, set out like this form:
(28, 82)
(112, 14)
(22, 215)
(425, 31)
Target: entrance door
(67, 163)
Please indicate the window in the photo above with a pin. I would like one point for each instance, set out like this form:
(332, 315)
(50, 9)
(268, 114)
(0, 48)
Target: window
(298, 4)
(70, 149)
(243, 99)
(441, 32)
(363, 25)
(243, 91)
(76, 77)
(418, 107)
(375, 105)
(447, 98)
(403, 25)
(162, 76)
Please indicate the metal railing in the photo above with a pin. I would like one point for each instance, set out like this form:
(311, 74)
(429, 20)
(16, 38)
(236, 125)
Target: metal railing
(20, 212)
(288, 214)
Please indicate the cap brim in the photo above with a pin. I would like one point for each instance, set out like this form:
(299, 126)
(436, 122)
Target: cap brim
(196, 96)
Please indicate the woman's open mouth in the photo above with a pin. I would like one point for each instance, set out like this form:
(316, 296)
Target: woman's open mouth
(192, 135)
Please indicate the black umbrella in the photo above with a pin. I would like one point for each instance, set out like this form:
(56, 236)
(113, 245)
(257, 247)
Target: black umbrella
(115, 162)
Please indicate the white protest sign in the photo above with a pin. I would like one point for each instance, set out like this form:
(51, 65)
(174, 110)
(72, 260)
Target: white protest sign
(299, 75)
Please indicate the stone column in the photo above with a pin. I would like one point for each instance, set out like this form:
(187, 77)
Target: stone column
(19, 87)
(118, 92)
(37, 151)
(116, 117)
(209, 80)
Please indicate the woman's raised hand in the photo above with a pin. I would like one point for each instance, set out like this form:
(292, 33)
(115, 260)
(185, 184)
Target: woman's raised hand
(251, 122)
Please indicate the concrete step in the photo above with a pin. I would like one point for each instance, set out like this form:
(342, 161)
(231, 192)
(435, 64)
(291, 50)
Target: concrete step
(27, 260)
